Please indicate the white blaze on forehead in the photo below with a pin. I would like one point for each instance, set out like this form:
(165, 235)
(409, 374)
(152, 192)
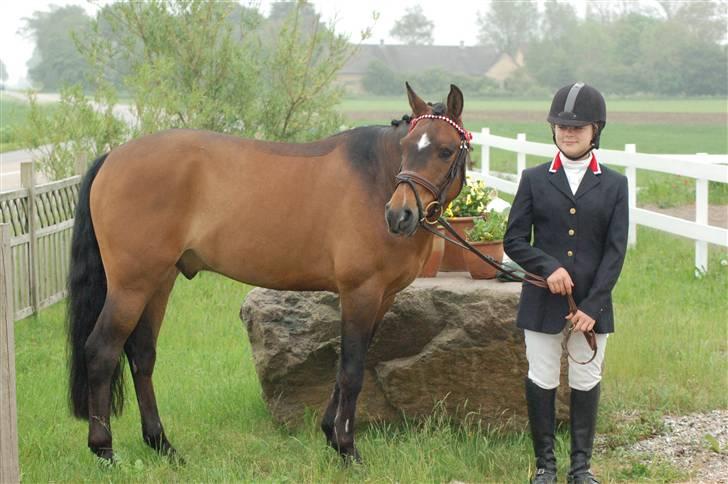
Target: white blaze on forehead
(423, 143)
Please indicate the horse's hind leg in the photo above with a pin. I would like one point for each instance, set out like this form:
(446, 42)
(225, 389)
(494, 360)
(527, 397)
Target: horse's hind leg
(115, 323)
(141, 349)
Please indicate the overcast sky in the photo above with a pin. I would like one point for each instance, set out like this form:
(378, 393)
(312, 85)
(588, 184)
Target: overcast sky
(454, 21)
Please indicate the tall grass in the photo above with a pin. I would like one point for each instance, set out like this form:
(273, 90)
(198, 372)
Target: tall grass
(668, 355)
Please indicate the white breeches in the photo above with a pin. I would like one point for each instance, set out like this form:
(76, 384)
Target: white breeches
(544, 360)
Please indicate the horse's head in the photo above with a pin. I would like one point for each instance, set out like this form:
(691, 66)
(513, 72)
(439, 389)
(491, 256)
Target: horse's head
(435, 153)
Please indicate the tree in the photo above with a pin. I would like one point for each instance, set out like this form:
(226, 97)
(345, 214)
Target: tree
(705, 19)
(413, 28)
(508, 25)
(678, 63)
(204, 65)
(381, 80)
(56, 61)
(632, 53)
(193, 67)
(3, 72)
(559, 19)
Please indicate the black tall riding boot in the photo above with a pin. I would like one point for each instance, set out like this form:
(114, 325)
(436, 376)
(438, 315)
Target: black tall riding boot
(583, 414)
(542, 417)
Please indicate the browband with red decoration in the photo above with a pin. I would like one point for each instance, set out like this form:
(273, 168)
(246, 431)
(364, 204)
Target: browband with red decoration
(464, 133)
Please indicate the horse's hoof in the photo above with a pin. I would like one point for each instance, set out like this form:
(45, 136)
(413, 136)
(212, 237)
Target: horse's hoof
(351, 456)
(328, 431)
(105, 456)
(175, 457)
(164, 448)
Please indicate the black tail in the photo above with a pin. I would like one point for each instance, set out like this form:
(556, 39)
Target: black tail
(86, 297)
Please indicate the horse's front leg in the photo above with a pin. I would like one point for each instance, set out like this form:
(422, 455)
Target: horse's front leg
(359, 312)
(327, 422)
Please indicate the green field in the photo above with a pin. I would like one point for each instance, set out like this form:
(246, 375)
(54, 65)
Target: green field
(699, 127)
(643, 105)
(667, 357)
(13, 112)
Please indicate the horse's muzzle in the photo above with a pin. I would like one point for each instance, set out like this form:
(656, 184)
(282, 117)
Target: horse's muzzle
(402, 221)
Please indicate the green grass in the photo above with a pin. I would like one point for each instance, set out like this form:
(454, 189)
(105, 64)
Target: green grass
(667, 356)
(13, 113)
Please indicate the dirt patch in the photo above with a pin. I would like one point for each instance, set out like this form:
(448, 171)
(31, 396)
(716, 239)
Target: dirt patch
(717, 214)
(537, 117)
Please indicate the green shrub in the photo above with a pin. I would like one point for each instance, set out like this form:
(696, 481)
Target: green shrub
(201, 65)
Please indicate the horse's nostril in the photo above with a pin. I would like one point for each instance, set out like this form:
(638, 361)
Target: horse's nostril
(406, 215)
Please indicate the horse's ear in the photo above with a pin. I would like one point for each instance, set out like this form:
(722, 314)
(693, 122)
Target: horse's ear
(419, 107)
(455, 102)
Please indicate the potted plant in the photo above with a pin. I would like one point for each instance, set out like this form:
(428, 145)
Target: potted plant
(486, 235)
(470, 203)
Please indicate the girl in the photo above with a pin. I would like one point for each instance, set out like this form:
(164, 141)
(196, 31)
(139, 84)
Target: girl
(568, 223)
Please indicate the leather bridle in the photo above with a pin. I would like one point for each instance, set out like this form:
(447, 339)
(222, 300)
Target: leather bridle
(432, 214)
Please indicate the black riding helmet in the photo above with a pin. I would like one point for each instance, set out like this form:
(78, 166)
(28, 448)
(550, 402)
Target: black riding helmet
(579, 104)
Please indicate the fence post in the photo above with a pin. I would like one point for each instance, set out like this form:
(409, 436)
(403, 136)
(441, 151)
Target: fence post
(9, 467)
(701, 217)
(80, 165)
(27, 180)
(631, 173)
(520, 158)
(485, 152)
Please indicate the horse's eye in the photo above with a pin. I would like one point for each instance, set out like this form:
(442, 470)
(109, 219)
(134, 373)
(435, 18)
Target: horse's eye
(445, 153)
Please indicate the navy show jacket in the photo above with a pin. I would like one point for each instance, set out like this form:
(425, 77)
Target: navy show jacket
(585, 233)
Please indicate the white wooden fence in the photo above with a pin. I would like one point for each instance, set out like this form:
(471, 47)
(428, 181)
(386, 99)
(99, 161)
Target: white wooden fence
(703, 168)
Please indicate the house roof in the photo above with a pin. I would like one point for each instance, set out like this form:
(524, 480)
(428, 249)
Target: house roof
(467, 60)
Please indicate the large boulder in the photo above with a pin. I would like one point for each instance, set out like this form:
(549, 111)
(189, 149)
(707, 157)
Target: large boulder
(449, 341)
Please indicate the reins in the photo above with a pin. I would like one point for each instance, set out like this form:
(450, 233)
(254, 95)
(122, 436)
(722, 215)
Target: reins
(529, 277)
(432, 214)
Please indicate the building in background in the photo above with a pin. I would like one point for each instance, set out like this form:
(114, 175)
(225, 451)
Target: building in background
(470, 61)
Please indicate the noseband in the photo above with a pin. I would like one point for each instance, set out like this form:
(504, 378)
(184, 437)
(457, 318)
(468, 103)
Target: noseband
(434, 209)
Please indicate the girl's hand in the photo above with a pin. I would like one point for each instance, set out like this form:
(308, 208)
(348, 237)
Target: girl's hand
(581, 321)
(560, 282)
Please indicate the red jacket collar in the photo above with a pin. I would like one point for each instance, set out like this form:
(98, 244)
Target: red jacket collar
(593, 164)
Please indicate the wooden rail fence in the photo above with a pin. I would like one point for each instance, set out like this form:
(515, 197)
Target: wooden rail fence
(9, 467)
(36, 224)
(41, 225)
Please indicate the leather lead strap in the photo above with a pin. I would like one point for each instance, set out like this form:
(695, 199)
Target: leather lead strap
(528, 277)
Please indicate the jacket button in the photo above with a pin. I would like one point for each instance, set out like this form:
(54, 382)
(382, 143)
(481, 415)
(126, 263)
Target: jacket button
(569, 253)
(571, 232)
(572, 210)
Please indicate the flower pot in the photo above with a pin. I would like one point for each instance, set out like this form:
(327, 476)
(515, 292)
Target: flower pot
(432, 265)
(476, 266)
(453, 260)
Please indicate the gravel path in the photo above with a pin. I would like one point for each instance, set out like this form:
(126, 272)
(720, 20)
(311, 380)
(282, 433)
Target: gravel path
(696, 442)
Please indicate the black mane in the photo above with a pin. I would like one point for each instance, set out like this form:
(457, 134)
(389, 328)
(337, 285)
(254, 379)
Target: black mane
(375, 153)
